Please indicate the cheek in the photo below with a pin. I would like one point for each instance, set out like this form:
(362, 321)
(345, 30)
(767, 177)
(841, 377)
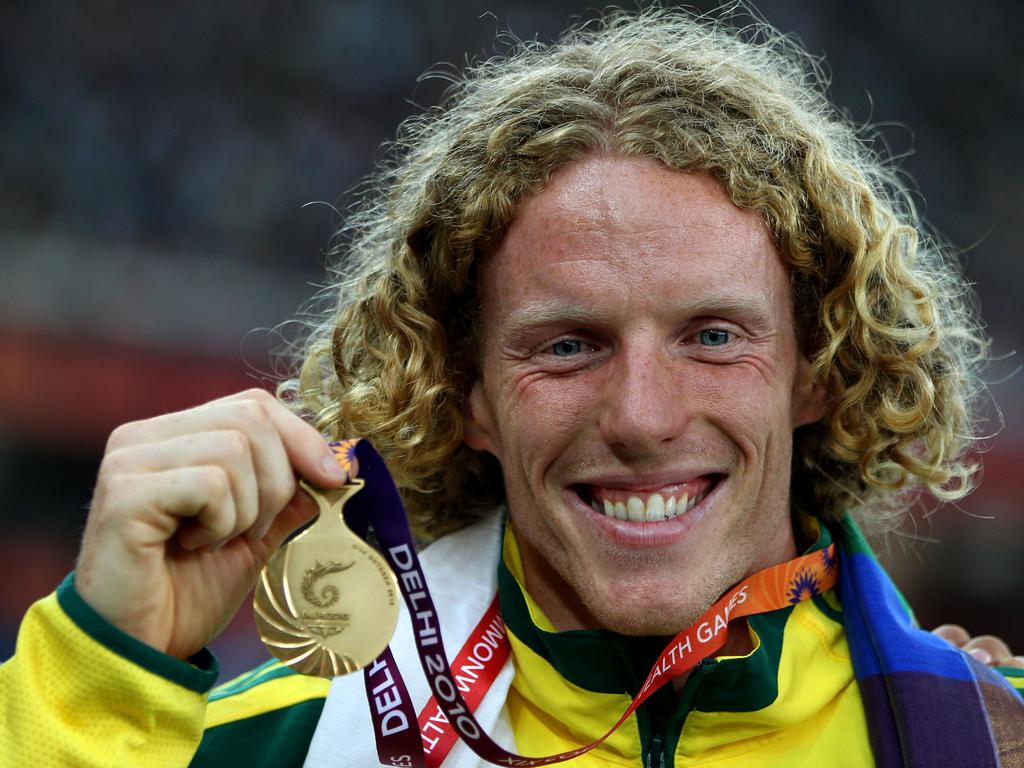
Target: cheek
(543, 414)
(747, 404)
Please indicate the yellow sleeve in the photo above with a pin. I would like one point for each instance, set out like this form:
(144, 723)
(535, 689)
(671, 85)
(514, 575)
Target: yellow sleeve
(78, 692)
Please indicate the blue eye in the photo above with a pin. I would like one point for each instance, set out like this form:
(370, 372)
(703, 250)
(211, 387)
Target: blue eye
(714, 337)
(566, 347)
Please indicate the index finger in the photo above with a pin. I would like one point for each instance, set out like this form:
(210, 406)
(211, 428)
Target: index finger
(308, 453)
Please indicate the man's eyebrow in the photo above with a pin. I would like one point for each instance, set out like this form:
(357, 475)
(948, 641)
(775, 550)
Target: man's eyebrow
(745, 305)
(540, 313)
(553, 310)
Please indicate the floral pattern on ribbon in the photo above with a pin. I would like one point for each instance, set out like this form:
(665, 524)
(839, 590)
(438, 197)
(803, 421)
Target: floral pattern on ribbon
(829, 559)
(345, 452)
(803, 585)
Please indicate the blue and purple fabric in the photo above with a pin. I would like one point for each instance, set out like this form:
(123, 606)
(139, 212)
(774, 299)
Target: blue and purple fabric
(927, 704)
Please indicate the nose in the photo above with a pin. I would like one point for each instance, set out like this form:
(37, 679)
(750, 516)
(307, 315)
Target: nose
(646, 404)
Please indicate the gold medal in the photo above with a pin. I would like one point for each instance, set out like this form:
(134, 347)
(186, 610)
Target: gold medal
(327, 604)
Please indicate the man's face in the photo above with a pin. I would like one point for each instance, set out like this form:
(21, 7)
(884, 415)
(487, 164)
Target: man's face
(639, 361)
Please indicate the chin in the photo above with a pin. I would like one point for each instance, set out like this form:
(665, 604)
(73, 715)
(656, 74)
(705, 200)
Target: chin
(638, 617)
(645, 623)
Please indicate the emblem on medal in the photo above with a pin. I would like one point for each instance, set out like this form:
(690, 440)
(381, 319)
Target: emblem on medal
(326, 603)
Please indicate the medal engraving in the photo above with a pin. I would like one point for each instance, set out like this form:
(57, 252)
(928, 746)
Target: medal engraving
(323, 623)
(326, 603)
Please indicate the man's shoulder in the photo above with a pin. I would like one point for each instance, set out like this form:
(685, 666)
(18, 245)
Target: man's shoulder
(268, 687)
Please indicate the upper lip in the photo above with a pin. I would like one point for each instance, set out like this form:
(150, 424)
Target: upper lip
(646, 481)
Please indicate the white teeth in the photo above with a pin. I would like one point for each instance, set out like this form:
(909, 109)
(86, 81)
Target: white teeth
(655, 507)
(635, 509)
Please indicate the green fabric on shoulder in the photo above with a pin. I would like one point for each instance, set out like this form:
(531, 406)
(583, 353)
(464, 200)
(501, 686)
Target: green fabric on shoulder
(276, 739)
(265, 717)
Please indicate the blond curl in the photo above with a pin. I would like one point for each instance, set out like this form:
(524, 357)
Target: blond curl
(883, 314)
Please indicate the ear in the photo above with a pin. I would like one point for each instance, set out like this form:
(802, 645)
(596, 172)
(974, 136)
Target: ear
(810, 401)
(480, 430)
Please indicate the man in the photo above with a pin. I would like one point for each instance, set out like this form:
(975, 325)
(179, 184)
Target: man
(644, 293)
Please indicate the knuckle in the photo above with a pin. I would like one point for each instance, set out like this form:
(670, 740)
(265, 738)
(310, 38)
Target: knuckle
(215, 483)
(235, 444)
(259, 395)
(253, 412)
(123, 435)
(114, 462)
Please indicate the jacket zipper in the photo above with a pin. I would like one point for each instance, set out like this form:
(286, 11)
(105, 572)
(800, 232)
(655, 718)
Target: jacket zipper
(656, 757)
(655, 753)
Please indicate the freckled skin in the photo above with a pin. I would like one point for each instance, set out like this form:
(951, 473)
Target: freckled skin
(594, 366)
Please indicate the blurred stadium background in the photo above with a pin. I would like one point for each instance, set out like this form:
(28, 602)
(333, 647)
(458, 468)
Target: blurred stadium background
(155, 161)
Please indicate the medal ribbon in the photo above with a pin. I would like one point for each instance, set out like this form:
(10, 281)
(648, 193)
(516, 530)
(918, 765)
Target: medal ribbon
(399, 741)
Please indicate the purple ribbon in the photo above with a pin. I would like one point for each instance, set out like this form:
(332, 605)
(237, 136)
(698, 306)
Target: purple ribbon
(394, 720)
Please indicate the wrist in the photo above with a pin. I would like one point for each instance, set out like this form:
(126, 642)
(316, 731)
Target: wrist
(198, 673)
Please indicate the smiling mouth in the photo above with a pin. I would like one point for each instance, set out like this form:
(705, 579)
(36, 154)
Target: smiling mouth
(648, 506)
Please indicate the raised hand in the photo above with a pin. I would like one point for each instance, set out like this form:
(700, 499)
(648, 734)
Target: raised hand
(188, 507)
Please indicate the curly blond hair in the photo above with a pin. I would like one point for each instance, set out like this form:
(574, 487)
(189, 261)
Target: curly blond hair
(882, 312)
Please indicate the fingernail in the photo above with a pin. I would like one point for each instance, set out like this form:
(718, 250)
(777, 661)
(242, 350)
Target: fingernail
(981, 655)
(330, 465)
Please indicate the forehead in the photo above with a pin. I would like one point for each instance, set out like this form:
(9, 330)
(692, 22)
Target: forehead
(610, 224)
